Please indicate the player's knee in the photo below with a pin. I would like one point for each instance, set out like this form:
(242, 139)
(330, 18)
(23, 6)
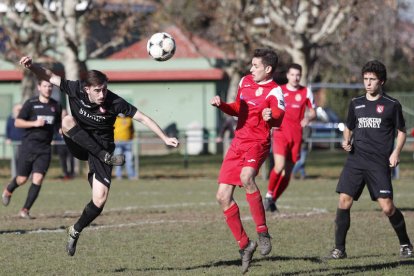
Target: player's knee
(221, 198)
(388, 210)
(68, 122)
(20, 180)
(247, 179)
(99, 201)
(345, 201)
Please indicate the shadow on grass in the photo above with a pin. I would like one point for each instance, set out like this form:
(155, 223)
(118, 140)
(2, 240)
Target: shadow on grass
(345, 270)
(227, 263)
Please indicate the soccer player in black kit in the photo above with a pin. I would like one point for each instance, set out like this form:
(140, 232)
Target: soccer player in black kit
(39, 117)
(374, 121)
(89, 134)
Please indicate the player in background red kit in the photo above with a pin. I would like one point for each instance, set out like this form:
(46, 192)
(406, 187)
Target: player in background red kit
(259, 106)
(287, 138)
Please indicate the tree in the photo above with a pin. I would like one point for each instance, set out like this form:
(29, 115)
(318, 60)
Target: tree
(303, 27)
(52, 31)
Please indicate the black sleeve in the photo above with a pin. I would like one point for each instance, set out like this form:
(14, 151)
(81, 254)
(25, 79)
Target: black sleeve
(350, 121)
(59, 117)
(399, 121)
(120, 105)
(70, 87)
(25, 112)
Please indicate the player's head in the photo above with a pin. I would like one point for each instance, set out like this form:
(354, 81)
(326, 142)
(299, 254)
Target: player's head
(264, 63)
(376, 67)
(294, 74)
(45, 88)
(374, 74)
(96, 84)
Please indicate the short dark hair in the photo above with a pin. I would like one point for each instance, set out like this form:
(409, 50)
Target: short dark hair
(376, 67)
(268, 56)
(294, 66)
(95, 77)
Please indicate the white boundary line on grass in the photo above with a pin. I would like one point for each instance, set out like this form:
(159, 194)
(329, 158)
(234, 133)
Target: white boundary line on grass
(311, 212)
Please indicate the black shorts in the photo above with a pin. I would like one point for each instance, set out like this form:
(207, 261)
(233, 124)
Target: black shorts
(353, 180)
(28, 162)
(102, 171)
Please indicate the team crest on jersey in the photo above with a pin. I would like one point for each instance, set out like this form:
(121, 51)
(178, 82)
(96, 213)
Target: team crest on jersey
(259, 91)
(380, 108)
(298, 97)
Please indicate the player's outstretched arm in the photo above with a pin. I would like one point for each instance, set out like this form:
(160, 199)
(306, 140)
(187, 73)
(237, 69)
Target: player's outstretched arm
(40, 72)
(151, 124)
(231, 109)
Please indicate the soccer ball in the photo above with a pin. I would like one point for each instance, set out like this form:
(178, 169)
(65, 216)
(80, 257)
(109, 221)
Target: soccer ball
(161, 46)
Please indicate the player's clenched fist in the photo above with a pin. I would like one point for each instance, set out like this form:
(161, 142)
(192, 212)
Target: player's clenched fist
(346, 145)
(215, 101)
(26, 61)
(267, 114)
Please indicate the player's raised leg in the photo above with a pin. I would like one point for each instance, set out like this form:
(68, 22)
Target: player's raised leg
(81, 137)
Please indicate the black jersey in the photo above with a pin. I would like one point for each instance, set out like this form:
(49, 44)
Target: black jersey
(98, 120)
(374, 125)
(38, 139)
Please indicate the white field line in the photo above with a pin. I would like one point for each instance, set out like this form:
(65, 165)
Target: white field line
(311, 212)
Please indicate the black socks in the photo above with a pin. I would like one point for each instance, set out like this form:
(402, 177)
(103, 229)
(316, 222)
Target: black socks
(12, 185)
(342, 224)
(398, 223)
(32, 195)
(90, 213)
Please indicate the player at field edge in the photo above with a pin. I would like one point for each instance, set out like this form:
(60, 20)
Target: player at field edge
(40, 117)
(259, 106)
(287, 139)
(373, 121)
(89, 134)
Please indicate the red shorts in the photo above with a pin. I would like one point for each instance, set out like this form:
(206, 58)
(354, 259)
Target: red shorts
(242, 154)
(287, 143)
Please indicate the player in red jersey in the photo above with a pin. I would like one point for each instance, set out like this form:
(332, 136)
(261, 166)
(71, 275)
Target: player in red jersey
(259, 106)
(287, 138)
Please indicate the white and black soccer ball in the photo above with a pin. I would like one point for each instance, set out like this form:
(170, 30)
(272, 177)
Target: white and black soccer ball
(161, 46)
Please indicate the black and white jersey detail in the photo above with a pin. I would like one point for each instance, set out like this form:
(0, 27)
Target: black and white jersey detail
(374, 125)
(96, 119)
(38, 139)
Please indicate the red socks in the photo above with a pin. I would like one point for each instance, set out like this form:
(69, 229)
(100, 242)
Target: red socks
(232, 216)
(281, 186)
(257, 211)
(273, 179)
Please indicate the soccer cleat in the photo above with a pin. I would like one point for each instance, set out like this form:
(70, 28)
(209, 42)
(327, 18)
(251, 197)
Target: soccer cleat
(114, 160)
(336, 254)
(246, 255)
(270, 205)
(73, 237)
(5, 197)
(24, 214)
(265, 245)
(406, 251)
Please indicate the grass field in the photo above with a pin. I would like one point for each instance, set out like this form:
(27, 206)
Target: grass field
(168, 223)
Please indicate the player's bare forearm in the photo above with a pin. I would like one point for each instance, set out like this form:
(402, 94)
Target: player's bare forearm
(400, 141)
(41, 72)
(346, 141)
(152, 125)
(20, 123)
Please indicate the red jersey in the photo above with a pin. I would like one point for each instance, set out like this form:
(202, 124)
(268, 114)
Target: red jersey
(296, 103)
(251, 99)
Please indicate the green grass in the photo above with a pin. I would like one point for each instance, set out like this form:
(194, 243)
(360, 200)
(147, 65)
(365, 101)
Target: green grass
(168, 223)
